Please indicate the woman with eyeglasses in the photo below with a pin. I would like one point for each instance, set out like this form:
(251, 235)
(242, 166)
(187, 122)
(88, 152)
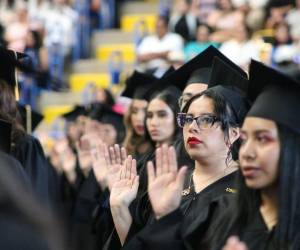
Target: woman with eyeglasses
(210, 122)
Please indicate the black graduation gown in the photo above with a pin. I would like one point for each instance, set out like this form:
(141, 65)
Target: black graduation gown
(193, 215)
(257, 236)
(6, 161)
(17, 234)
(29, 152)
(16, 229)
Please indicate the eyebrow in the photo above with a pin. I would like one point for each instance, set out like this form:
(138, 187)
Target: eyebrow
(201, 114)
(258, 131)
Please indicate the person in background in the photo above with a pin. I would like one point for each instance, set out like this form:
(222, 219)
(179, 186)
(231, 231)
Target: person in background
(152, 52)
(202, 42)
(182, 21)
(240, 49)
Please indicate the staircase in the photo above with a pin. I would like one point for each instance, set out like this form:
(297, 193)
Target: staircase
(105, 44)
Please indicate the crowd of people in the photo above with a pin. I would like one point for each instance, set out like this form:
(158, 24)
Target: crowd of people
(205, 156)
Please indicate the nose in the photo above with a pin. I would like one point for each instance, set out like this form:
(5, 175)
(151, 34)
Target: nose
(193, 127)
(247, 151)
(154, 121)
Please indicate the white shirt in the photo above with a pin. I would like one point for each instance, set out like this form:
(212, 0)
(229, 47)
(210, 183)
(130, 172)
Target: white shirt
(240, 53)
(152, 44)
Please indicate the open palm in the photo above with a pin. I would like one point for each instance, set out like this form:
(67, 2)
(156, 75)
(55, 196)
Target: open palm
(124, 190)
(165, 184)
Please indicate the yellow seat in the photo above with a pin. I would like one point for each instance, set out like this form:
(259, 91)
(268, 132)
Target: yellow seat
(264, 33)
(127, 50)
(79, 81)
(129, 22)
(52, 112)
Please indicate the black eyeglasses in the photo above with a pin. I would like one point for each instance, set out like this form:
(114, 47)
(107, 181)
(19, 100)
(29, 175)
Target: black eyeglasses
(203, 121)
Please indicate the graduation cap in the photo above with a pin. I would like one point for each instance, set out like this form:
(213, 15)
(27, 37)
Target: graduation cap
(201, 75)
(8, 64)
(72, 115)
(137, 84)
(276, 96)
(30, 118)
(5, 136)
(232, 85)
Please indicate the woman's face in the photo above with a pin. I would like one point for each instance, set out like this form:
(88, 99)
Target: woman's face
(203, 142)
(160, 121)
(259, 152)
(203, 34)
(282, 34)
(138, 114)
(100, 95)
(108, 134)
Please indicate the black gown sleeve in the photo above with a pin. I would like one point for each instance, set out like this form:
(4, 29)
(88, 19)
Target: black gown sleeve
(28, 151)
(87, 199)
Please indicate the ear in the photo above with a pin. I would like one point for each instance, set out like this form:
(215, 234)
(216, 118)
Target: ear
(234, 134)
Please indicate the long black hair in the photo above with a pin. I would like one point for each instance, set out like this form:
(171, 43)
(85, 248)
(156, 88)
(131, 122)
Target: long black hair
(245, 207)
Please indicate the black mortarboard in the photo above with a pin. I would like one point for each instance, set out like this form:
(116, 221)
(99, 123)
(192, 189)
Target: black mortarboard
(201, 75)
(30, 118)
(137, 84)
(198, 68)
(74, 113)
(5, 136)
(275, 95)
(232, 85)
(158, 85)
(8, 63)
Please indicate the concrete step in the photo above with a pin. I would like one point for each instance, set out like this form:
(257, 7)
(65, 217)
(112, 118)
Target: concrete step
(113, 36)
(149, 7)
(51, 98)
(96, 66)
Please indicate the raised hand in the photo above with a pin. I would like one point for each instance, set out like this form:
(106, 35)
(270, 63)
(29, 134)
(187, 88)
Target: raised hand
(233, 243)
(125, 189)
(83, 148)
(117, 159)
(165, 184)
(107, 163)
(123, 192)
(68, 160)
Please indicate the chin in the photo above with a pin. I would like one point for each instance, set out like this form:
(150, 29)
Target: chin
(256, 185)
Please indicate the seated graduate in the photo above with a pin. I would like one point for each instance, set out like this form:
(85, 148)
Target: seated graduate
(136, 87)
(266, 213)
(25, 148)
(218, 112)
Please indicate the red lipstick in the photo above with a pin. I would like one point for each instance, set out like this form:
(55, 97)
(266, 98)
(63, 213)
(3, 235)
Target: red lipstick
(193, 141)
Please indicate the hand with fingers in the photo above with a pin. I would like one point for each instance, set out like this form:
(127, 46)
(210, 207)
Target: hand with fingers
(107, 163)
(233, 243)
(165, 183)
(68, 163)
(123, 192)
(83, 148)
(117, 158)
